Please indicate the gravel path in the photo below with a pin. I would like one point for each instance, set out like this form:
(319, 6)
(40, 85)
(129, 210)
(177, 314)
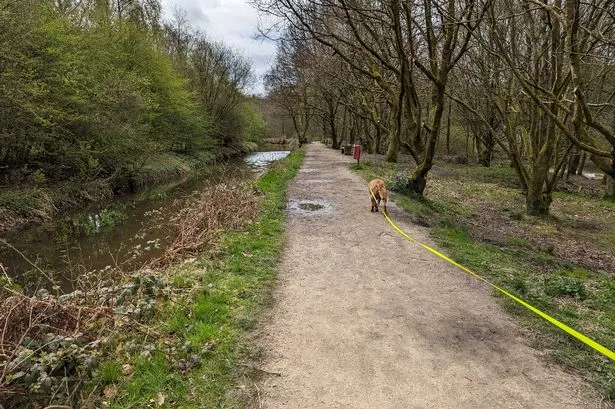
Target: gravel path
(365, 319)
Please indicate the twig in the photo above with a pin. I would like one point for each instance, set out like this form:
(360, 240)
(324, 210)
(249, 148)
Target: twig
(258, 394)
(7, 244)
(261, 370)
(6, 275)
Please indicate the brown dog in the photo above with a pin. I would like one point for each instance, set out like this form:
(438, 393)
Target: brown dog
(377, 192)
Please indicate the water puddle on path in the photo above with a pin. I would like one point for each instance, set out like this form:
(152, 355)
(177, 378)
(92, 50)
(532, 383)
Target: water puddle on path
(309, 170)
(309, 207)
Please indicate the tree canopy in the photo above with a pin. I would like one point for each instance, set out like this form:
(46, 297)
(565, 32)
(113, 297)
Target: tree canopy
(91, 89)
(531, 80)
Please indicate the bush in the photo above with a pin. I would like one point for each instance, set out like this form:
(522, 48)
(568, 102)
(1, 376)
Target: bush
(399, 183)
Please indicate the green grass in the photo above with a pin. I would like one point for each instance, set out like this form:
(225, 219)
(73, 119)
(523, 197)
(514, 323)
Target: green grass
(581, 298)
(232, 288)
(110, 372)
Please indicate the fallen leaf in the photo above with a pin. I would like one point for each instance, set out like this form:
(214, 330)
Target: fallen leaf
(160, 399)
(127, 369)
(110, 391)
(246, 254)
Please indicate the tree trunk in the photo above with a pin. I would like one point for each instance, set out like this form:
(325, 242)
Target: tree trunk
(344, 137)
(582, 163)
(538, 202)
(573, 161)
(324, 131)
(448, 130)
(416, 184)
(467, 141)
(393, 148)
(486, 151)
(538, 198)
(335, 144)
(609, 191)
(376, 144)
(419, 177)
(395, 135)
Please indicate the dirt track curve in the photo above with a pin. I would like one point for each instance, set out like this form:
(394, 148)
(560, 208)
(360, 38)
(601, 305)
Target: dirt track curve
(365, 319)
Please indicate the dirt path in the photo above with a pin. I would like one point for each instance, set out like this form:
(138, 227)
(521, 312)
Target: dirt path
(365, 319)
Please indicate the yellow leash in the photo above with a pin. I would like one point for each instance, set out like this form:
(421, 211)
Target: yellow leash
(588, 341)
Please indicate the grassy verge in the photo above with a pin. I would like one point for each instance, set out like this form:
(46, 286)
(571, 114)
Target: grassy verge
(226, 290)
(476, 215)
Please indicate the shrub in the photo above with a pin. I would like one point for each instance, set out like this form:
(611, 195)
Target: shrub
(564, 286)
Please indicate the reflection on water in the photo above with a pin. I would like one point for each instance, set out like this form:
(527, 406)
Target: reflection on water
(260, 160)
(127, 232)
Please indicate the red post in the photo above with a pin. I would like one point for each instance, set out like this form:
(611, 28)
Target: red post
(357, 152)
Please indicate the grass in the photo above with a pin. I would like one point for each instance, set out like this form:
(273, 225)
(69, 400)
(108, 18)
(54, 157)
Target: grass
(533, 258)
(231, 287)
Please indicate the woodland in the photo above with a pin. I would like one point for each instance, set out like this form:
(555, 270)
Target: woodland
(528, 82)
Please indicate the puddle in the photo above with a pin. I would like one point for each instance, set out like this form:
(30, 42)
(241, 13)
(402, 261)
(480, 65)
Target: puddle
(260, 160)
(309, 170)
(309, 207)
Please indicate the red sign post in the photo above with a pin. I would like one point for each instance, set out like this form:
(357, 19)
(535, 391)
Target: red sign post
(357, 152)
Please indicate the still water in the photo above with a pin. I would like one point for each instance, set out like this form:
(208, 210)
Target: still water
(128, 232)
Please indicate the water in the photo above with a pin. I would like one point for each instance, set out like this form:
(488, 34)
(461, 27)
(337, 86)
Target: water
(259, 160)
(129, 232)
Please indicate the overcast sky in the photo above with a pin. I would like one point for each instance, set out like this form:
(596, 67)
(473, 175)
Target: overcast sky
(231, 21)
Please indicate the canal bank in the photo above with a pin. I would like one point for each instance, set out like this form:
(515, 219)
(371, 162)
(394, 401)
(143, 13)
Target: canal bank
(42, 201)
(124, 233)
(174, 334)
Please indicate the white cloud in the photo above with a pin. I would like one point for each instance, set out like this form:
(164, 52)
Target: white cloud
(233, 22)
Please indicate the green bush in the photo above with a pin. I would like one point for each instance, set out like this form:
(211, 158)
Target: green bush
(95, 100)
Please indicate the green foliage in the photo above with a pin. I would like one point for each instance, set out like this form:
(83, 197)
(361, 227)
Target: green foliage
(110, 372)
(89, 94)
(94, 223)
(399, 183)
(253, 122)
(564, 286)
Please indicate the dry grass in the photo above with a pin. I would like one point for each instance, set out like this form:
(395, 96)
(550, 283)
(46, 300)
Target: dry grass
(35, 333)
(223, 207)
(22, 316)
